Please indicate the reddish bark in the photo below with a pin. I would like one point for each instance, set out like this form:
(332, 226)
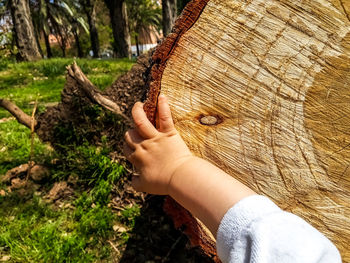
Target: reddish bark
(163, 52)
(181, 216)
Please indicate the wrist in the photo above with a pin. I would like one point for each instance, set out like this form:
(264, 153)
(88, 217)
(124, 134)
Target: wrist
(180, 171)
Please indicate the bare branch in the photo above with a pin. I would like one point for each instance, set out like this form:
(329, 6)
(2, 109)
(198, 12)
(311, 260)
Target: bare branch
(94, 94)
(21, 117)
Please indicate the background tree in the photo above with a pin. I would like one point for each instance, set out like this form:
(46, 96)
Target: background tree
(89, 7)
(7, 41)
(144, 18)
(119, 22)
(60, 18)
(169, 10)
(24, 30)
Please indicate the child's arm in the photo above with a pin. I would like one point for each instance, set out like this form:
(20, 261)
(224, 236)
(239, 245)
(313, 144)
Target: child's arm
(250, 228)
(167, 167)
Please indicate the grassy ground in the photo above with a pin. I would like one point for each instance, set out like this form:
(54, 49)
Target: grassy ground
(100, 219)
(80, 228)
(25, 82)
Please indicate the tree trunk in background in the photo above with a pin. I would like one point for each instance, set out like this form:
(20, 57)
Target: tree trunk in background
(61, 37)
(77, 43)
(47, 44)
(15, 38)
(38, 43)
(119, 23)
(89, 9)
(137, 45)
(261, 89)
(62, 43)
(169, 12)
(25, 35)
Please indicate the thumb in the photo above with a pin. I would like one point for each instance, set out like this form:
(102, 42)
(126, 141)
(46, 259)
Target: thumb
(165, 120)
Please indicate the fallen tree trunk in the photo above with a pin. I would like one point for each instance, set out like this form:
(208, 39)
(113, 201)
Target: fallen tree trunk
(261, 89)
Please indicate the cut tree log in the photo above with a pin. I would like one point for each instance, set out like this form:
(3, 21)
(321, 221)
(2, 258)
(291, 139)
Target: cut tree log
(262, 90)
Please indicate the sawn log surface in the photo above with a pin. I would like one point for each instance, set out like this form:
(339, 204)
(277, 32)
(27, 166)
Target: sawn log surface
(262, 90)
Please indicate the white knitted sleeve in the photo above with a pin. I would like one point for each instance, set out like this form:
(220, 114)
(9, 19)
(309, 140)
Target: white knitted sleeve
(257, 230)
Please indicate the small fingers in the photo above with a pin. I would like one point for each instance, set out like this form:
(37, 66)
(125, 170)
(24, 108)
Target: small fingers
(165, 120)
(132, 138)
(128, 152)
(143, 125)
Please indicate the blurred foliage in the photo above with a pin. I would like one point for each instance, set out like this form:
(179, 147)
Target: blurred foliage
(144, 19)
(66, 24)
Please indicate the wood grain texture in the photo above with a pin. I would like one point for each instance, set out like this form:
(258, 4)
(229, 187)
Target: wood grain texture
(277, 74)
(188, 17)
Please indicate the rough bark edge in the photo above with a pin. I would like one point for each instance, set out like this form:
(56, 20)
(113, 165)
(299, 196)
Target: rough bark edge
(188, 18)
(196, 233)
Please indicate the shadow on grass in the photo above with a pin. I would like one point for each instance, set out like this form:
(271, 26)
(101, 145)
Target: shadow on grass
(154, 238)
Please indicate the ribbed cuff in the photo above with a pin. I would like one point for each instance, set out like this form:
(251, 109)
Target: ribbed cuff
(239, 217)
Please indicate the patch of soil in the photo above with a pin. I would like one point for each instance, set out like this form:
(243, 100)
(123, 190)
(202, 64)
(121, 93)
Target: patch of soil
(59, 191)
(39, 173)
(154, 238)
(131, 87)
(18, 171)
(17, 179)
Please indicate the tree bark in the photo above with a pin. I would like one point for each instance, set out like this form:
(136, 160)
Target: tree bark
(89, 9)
(37, 39)
(120, 28)
(25, 35)
(21, 117)
(137, 45)
(47, 45)
(261, 89)
(77, 43)
(169, 11)
(62, 40)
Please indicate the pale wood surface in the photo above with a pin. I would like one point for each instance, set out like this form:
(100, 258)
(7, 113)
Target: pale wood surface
(276, 74)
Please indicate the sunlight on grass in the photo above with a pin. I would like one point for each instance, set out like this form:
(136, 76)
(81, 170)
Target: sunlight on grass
(23, 82)
(32, 230)
(15, 146)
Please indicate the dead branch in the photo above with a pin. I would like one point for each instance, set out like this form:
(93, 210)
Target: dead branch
(75, 72)
(21, 117)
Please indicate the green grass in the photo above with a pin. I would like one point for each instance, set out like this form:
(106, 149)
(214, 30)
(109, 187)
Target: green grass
(15, 146)
(25, 82)
(32, 230)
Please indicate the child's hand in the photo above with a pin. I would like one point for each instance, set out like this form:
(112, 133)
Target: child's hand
(156, 154)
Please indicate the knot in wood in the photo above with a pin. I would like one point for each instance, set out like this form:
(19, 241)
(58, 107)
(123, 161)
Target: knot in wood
(209, 120)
